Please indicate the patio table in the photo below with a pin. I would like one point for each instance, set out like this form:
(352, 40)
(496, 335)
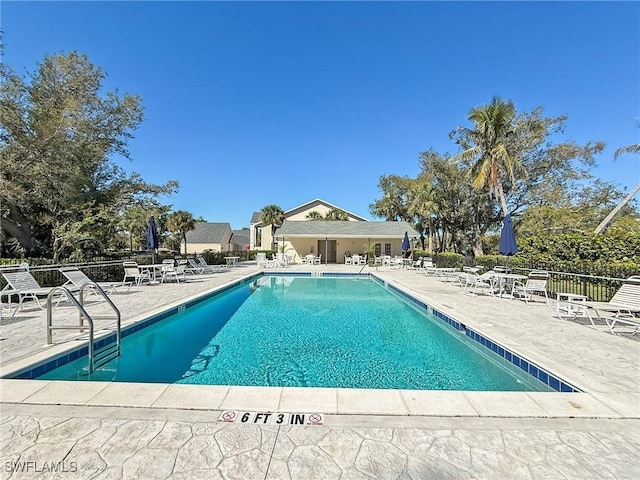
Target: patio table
(506, 280)
(568, 304)
(232, 261)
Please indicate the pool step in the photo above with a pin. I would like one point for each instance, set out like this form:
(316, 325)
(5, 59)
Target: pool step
(105, 355)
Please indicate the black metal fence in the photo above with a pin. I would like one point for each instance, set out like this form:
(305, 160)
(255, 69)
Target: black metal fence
(596, 282)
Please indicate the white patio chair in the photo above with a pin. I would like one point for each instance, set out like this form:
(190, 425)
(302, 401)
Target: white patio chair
(134, 274)
(473, 281)
(261, 259)
(348, 260)
(536, 283)
(177, 272)
(318, 260)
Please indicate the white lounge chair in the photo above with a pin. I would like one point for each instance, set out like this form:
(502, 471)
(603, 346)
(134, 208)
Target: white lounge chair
(23, 285)
(192, 266)
(536, 283)
(76, 279)
(208, 268)
(620, 311)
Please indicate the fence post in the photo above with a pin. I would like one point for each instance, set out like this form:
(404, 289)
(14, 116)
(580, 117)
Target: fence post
(585, 272)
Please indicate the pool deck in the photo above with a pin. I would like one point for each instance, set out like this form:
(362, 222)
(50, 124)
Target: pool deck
(127, 430)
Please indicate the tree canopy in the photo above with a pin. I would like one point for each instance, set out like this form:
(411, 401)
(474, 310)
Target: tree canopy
(516, 157)
(59, 135)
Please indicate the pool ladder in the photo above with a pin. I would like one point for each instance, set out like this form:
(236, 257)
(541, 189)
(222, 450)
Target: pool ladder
(103, 355)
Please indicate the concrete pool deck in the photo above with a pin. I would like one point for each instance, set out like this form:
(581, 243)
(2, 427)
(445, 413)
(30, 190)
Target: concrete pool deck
(131, 430)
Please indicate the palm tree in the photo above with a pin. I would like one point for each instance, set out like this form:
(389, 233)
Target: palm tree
(634, 148)
(314, 215)
(493, 163)
(272, 215)
(422, 206)
(181, 222)
(336, 214)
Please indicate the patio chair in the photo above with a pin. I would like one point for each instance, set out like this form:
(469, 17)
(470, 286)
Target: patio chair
(171, 270)
(133, 274)
(348, 260)
(536, 283)
(621, 310)
(25, 287)
(318, 260)
(261, 259)
(475, 281)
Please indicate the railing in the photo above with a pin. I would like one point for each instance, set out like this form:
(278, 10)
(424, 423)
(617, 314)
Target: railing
(108, 352)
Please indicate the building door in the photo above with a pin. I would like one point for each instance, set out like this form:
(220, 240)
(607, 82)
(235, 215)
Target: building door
(327, 248)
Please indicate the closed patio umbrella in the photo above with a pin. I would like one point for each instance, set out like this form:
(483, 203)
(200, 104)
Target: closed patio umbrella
(152, 238)
(405, 243)
(507, 245)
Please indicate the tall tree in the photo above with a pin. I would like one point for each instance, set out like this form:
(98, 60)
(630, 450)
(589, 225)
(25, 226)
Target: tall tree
(58, 132)
(272, 215)
(393, 204)
(180, 222)
(423, 206)
(487, 143)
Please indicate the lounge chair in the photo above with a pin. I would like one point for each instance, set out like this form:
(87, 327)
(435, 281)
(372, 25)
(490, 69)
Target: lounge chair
(536, 283)
(209, 268)
(192, 266)
(76, 279)
(25, 286)
(621, 310)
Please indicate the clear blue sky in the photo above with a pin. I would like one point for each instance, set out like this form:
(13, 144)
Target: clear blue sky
(254, 103)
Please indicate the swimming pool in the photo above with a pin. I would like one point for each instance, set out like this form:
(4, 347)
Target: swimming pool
(315, 331)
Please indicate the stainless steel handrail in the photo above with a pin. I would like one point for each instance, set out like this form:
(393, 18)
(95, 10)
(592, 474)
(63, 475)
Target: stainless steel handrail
(82, 315)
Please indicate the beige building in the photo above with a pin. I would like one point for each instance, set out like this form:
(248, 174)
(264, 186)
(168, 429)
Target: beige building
(212, 236)
(332, 240)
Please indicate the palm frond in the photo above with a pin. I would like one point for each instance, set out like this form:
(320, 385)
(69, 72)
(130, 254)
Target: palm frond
(635, 148)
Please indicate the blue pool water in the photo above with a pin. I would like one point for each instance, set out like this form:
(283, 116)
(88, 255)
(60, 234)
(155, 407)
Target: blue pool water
(307, 331)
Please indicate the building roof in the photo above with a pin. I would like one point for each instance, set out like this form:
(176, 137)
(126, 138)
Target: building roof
(319, 201)
(342, 229)
(240, 237)
(256, 217)
(208, 232)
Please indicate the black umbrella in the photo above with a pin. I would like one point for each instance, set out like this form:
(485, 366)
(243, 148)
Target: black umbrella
(507, 244)
(152, 238)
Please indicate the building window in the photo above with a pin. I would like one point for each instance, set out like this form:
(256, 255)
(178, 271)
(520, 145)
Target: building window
(377, 249)
(387, 249)
(258, 241)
